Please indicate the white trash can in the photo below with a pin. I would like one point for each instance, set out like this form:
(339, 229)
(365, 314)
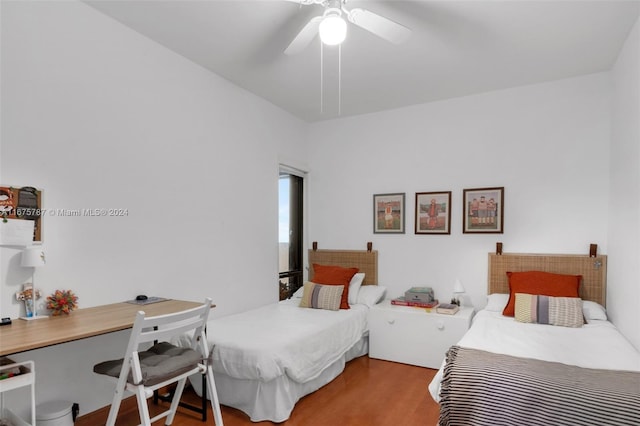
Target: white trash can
(54, 413)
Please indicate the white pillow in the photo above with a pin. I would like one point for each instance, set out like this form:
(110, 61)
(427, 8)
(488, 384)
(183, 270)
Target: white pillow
(371, 294)
(593, 311)
(496, 302)
(354, 287)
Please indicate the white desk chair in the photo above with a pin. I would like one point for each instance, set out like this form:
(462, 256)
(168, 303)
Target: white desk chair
(144, 372)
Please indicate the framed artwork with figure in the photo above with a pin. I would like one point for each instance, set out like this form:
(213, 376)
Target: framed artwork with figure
(433, 213)
(483, 211)
(388, 213)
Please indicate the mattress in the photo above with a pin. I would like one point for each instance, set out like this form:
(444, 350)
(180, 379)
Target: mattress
(274, 400)
(596, 345)
(284, 339)
(266, 359)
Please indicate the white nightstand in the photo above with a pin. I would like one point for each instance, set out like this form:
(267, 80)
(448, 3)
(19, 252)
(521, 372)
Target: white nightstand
(412, 335)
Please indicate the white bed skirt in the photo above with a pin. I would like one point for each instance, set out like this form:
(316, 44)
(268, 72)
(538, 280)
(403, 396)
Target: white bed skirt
(274, 400)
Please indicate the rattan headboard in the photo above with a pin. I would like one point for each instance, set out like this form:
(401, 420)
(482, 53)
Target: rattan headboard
(592, 269)
(366, 261)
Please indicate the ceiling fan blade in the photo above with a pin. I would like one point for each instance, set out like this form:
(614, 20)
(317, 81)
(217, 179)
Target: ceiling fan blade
(304, 2)
(304, 37)
(379, 25)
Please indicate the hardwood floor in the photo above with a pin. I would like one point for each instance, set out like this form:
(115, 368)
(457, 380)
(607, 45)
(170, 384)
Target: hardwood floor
(369, 392)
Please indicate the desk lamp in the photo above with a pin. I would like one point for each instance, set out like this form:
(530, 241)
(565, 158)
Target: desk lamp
(33, 257)
(458, 289)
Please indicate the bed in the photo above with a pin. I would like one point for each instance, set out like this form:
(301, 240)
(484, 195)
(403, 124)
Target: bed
(266, 359)
(511, 372)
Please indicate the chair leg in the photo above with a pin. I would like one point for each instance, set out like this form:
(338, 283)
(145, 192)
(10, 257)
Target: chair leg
(143, 408)
(213, 395)
(175, 401)
(115, 403)
(113, 411)
(203, 398)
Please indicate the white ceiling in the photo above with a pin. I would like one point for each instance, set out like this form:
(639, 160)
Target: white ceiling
(457, 48)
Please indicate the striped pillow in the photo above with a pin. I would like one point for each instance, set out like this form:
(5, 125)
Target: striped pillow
(562, 311)
(319, 296)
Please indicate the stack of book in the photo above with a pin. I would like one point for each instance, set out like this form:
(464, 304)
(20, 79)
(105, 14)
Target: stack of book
(402, 301)
(447, 308)
(419, 294)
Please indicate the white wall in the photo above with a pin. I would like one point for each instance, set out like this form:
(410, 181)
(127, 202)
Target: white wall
(99, 116)
(547, 144)
(624, 208)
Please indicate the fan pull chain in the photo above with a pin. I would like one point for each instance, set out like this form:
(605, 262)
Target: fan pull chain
(321, 77)
(339, 79)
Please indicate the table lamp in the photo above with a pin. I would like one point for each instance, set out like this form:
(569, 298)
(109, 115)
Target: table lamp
(458, 289)
(33, 257)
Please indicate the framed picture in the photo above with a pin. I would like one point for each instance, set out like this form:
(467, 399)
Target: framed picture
(483, 210)
(433, 212)
(388, 213)
(20, 211)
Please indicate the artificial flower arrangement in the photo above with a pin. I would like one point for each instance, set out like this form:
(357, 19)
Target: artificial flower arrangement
(62, 301)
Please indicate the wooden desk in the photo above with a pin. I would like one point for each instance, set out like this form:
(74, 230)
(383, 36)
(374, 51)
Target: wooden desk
(24, 335)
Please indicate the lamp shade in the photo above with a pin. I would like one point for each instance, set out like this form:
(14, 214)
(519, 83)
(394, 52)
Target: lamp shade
(32, 257)
(458, 287)
(333, 29)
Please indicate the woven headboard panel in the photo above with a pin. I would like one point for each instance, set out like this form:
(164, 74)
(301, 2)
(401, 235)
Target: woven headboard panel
(592, 269)
(365, 261)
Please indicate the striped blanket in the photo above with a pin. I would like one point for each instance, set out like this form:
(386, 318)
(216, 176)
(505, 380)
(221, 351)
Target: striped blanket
(485, 389)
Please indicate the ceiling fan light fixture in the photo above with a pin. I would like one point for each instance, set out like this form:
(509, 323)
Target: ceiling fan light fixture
(333, 29)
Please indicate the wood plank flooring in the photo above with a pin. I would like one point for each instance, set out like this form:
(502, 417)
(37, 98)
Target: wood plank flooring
(369, 392)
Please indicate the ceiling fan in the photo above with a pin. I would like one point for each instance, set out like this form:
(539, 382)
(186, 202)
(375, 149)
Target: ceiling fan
(332, 28)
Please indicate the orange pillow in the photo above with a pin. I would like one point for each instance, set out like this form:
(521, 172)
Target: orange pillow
(335, 275)
(541, 284)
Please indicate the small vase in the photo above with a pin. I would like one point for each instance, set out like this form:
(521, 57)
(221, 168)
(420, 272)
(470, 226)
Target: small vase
(28, 305)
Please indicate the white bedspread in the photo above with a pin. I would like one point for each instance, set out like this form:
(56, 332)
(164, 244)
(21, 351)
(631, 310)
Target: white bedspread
(597, 344)
(282, 338)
